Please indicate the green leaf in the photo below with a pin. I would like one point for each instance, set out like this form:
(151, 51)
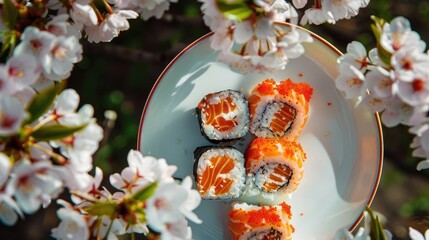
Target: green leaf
(377, 232)
(55, 132)
(384, 55)
(41, 103)
(102, 209)
(146, 192)
(9, 14)
(377, 28)
(235, 10)
(9, 42)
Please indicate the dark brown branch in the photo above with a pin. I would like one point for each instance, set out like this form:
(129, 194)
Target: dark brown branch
(129, 54)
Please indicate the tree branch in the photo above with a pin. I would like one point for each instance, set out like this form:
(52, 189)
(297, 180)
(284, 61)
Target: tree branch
(129, 54)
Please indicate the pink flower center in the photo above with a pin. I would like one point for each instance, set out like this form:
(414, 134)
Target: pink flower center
(18, 73)
(418, 85)
(68, 140)
(355, 82)
(36, 44)
(363, 63)
(407, 65)
(7, 122)
(59, 52)
(160, 203)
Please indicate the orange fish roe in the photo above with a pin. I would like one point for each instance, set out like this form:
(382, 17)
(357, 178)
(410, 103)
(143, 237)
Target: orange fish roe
(267, 87)
(213, 113)
(249, 219)
(261, 148)
(285, 87)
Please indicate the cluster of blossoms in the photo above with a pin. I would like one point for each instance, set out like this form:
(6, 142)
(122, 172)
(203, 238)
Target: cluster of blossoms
(392, 79)
(148, 197)
(248, 39)
(40, 155)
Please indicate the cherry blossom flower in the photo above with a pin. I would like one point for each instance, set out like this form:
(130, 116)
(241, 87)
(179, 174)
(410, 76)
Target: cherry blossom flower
(12, 113)
(82, 13)
(212, 17)
(282, 11)
(407, 61)
(381, 83)
(141, 172)
(374, 103)
(65, 106)
(416, 235)
(420, 144)
(149, 10)
(79, 149)
(191, 202)
(415, 92)
(396, 112)
(356, 56)
(9, 210)
(163, 207)
(178, 230)
(58, 62)
(291, 43)
(255, 44)
(111, 26)
(34, 185)
(58, 25)
(398, 34)
(73, 225)
(260, 28)
(317, 15)
(35, 41)
(344, 9)
(22, 70)
(363, 233)
(222, 40)
(351, 80)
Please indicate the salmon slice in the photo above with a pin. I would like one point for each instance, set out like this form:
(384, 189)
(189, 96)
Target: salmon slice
(214, 113)
(271, 177)
(211, 176)
(282, 117)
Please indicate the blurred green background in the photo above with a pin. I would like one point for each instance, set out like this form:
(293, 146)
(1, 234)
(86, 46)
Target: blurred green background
(118, 76)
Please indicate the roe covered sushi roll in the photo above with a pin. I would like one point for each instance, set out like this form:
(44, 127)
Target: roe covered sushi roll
(219, 172)
(274, 167)
(279, 110)
(223, 116)
(251, 222)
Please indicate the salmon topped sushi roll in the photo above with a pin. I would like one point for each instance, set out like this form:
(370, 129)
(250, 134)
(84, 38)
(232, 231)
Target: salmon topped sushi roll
(274, 167)
(279, 110)
(223, 116)
(219, 172)
(251, 222)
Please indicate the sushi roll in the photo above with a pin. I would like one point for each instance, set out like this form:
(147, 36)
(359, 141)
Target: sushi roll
(274, 168)
(219, 172)
(279, 110)
(223, 116)
(251, 222)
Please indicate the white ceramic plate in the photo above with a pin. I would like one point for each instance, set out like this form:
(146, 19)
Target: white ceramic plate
(343, 144)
